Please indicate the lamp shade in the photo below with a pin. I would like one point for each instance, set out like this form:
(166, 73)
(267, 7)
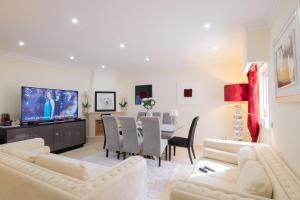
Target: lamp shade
(236, 92)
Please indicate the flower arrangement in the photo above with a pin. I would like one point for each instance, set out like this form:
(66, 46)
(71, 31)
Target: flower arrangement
(148, 103)
(85, 104)
(123, 103)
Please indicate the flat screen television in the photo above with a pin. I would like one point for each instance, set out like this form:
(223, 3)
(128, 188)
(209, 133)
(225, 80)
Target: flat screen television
(42, 104)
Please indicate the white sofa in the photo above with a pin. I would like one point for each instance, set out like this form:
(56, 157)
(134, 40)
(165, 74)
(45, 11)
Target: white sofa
(226, 184)
(23, 176)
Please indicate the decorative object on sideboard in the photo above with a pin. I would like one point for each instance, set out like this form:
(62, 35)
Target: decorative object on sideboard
(123, 104)
(148, 104)
(141, 92)
(237, 93)
(86, 103)
(105, 101)
(5, 119)
(287, 59)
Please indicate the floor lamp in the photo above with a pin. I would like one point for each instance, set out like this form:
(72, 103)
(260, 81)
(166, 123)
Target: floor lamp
(237, 93)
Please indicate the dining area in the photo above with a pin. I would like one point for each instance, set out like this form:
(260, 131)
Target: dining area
(151, 136)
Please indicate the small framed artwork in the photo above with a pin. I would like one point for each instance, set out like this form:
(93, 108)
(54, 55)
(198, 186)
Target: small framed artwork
(105, 101)
(189, 93)
(286, 60)
(141, 92)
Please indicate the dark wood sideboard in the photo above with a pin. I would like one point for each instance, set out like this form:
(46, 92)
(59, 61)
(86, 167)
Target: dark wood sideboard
(59, 136)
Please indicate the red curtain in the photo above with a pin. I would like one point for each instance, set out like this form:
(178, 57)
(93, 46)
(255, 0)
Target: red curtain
(253, 103)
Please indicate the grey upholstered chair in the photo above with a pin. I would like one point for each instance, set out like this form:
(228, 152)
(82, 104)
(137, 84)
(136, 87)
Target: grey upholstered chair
(141, 114)
(157, 114)
(132, 142)
(167, 118)
(113, 138)
(153, 144)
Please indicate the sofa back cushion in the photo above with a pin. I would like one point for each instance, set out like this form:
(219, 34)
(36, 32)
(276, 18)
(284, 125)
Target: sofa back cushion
(27, 155)
(245, 154)
(74, 168)
(25, 144)
(254, 180)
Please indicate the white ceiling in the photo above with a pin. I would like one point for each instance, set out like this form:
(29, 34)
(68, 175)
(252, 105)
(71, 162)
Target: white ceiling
(169, 32)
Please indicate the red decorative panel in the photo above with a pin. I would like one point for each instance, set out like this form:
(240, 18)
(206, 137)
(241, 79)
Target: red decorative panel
(188, 92)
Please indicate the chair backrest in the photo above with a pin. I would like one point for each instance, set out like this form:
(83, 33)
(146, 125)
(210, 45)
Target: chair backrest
(141, 114)
(112, 133)
(167, 119)
(105, 114)
(130, 135)
(192, 130)
(157, 114)
(151, 136)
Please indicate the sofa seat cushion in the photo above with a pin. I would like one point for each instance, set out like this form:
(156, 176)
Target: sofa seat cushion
(229, 175)
(220, 155)
(245, 154)
(74, 168)
(212, 181)
(254, 180)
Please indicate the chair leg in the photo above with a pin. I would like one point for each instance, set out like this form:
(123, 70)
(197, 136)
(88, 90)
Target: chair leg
(159, 161)
(124, 156)
(174, 150)
(193, 152)
(106, 153)
(166, 152)
(189, 150)
(104, 144)
(170, 152)
(118, 156)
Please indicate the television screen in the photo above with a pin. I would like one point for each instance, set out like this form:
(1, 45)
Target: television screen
(40, 104)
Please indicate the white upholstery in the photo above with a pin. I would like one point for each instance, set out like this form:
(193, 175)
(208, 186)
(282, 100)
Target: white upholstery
(220, 155)
(22, 180)
(70, 167)
(254, 180)
(245, 154)
(228, 183)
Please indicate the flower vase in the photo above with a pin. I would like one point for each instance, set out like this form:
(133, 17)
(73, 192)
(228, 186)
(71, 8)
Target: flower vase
(149, 113)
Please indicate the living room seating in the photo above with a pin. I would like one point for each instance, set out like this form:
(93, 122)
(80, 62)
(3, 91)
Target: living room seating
(104, 144)
(167, 119)
(140, 115)
(185, 142)
(29, 172)
(114, 141)
(157, 114)
(153, 144)
(132, 142)
(242, 171)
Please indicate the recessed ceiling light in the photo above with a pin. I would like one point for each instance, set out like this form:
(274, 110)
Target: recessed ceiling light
(147, 59)
(214, 48)
(74, 21)
(21, 43)
(72, 57)
(122, 46)
(103, 66)
(207, 26)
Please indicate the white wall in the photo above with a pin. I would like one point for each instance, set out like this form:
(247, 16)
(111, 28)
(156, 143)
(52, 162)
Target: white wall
(285, 135)
(215, 117)
(16, 72)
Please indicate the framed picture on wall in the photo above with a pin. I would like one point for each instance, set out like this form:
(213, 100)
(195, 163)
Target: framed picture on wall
(286, 61)
(105, 101)
(141, 92)
(189, 93)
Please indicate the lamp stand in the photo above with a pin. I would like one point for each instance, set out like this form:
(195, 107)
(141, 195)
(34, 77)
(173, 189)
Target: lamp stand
(238, 122)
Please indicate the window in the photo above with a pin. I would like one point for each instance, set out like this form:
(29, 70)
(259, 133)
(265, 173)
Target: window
(264, 119)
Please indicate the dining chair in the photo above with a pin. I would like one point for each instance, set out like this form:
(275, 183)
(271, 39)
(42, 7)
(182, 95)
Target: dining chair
(153, 144)
(132, 142)
(108, 114)
(141, 114)
(113, 138)
(185, 142)
(156, 114)
(167, 118)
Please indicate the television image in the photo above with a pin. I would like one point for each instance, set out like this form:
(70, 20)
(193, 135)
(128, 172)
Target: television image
(41, 104)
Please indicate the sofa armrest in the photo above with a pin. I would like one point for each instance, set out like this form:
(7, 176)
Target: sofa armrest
(225, 145)
(184, 190)
(125, 181)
